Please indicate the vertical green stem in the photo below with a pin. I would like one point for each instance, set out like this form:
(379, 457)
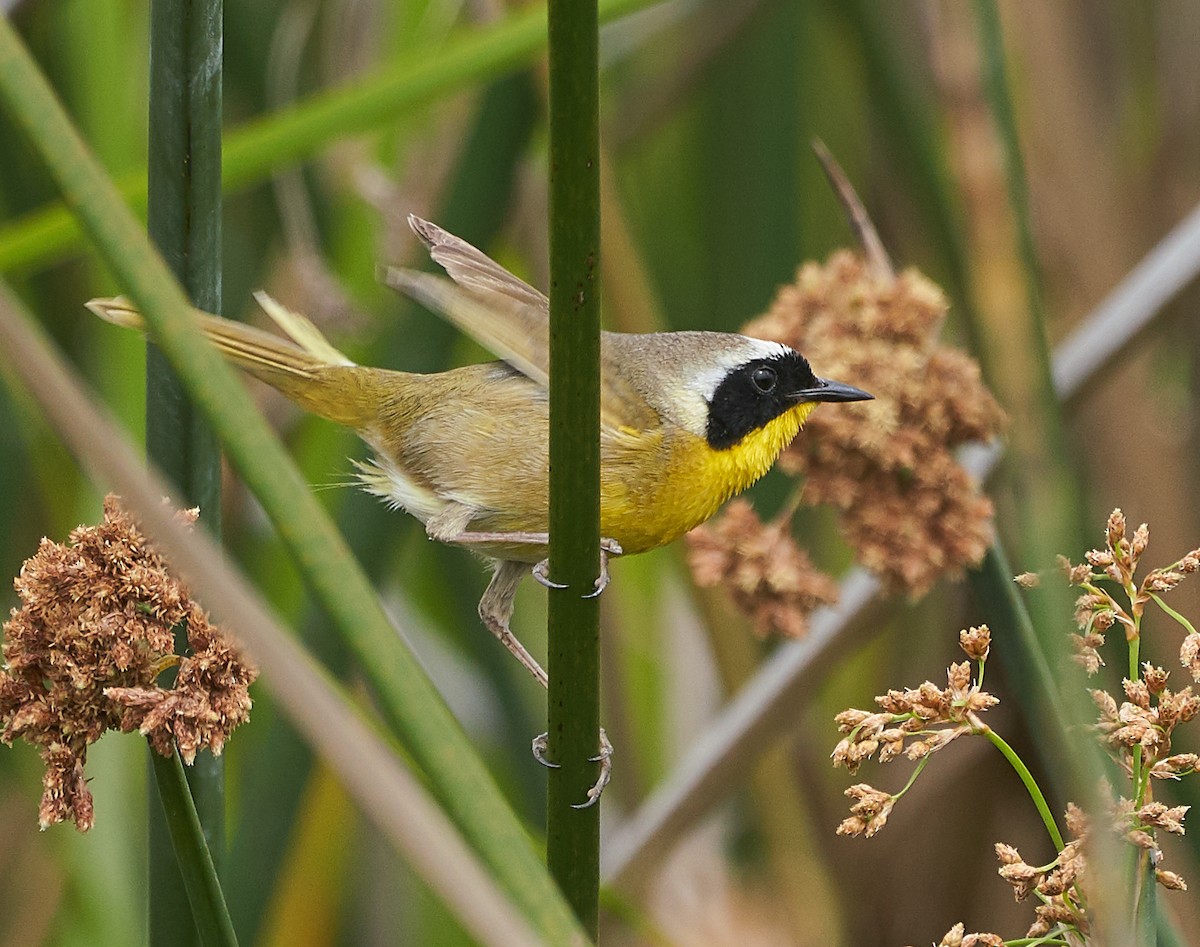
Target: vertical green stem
(184, 191)
(193, 861)
(573, 835)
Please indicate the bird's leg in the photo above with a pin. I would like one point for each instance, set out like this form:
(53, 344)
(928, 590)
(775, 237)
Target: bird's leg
(449, 525)
(608, 547)
(495, 611)
(496, 608)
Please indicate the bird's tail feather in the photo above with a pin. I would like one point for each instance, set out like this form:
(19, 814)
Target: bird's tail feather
(306, 367)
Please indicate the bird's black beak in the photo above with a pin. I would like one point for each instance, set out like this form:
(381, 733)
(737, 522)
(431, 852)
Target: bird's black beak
(826, 390)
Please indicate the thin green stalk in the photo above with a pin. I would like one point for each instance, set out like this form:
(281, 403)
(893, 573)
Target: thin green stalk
(199, 875)
(1075, 767)
(996, 82)
(1145, 916)
(257, 149)
(1031, 786)
(1187, 625)
(913, 778)
(1140, 772)
(1135, 647)
(1030, 667)
(905, 114)
(408, 701)
(184, 222)
(573, 834)
(1039, 464)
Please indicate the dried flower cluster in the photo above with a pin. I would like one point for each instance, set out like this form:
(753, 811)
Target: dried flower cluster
(1057, 885)
(1060, 886)
(916, 723)
(1137, 732)
(93, 632)
(769, 577)
(930, 718)
(957, 937)
(910, 511)
(1138, 825)
(1150, 711)
(1098, 609)
(1147, 718)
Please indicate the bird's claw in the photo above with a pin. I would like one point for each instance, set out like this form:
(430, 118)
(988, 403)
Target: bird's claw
(604, 758)
(541, 572)
(539, 751)
(608, 547)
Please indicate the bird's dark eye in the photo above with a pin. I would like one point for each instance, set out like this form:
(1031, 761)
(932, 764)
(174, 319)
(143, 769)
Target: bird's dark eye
(764, 379)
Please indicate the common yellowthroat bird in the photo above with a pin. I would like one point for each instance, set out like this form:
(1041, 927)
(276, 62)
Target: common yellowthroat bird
(688, 419)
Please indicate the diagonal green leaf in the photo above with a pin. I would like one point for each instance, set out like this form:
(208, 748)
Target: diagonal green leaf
(253, 151)
(407, 699)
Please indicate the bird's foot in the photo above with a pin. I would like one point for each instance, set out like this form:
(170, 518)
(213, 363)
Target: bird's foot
(604, 758)
(608, 547)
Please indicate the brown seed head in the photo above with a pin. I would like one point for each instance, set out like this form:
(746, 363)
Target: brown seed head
(1023, 877)
(1077, 821)
(768, 576)
(1052, 914)
(1140, 838)
(1087, 652)
(869, 813)
(95, 624)
(983, 939)
(1159, 816)
(976, 642)
(1189, 654)
(1154, 677)
(954, 937)
(1174, 767)
(905, 505)
(1158, 581)
(1075, 574)
(1114, 534)
(1137, 692)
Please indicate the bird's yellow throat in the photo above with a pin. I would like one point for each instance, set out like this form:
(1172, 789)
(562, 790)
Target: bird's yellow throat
(698, 479)
(729, 472)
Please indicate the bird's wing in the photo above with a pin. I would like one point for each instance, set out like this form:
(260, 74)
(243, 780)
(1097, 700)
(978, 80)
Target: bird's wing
(507, 316)
(473, 269)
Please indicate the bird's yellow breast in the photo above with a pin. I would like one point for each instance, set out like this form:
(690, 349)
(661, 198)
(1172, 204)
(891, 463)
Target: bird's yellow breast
(652, 494)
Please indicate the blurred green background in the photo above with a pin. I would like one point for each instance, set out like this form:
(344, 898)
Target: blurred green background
(712, 198)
